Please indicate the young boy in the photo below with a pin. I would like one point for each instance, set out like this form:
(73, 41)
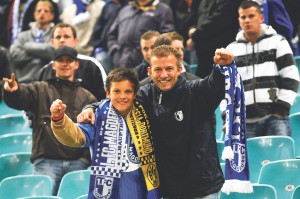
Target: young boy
(123, 161)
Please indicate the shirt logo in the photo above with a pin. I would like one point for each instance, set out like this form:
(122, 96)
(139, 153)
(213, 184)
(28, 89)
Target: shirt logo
(178, 116)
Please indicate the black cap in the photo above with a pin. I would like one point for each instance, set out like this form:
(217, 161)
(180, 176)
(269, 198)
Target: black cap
(65, 50)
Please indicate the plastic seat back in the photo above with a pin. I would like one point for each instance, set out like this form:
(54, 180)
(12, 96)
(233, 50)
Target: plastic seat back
(296, 193)
(4, 109)
(260, 191)
(25, 185)
(283, 175)
(220, 147)
(295, 128)
(74, 184)
(85, 196)
(12, 123)
(262, 150)
(13, 164)
(41, 197)
(16, 142)
(296, 106)
(219, 125)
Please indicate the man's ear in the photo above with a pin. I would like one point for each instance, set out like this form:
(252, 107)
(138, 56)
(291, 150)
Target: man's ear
(149, 70)
(107, 93)
(76, 64)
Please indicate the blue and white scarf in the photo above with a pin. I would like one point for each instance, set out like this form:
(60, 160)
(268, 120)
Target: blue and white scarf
(109, 151)
(235, 149)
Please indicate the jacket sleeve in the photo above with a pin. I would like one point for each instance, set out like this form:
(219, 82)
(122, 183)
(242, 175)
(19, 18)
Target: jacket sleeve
(289, 78)
(19, 56)
(167, 21)
(39, 50)
(26, 93)
(67, 132)
(279, 19)
(112, 36)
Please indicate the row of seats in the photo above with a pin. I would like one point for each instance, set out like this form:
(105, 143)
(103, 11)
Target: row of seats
(74, 185)
(278, 179)
(263, 150)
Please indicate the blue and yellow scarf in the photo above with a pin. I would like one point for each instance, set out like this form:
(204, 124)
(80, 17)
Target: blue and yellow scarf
(110, 140)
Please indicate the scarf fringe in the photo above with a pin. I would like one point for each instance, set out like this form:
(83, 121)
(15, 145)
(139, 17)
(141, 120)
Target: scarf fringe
(227, 153)
(237, 186)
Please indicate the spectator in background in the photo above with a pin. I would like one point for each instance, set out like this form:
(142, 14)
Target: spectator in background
(266, 64)
(176, 41)
(294, 14)
(90, 72)
(32, 49)
(185, 15)
(4, 67)
(276, 16)
(146, 42)
(216, 27)
(49, 157)
(132, 21)
(99, 36)
(82, 15)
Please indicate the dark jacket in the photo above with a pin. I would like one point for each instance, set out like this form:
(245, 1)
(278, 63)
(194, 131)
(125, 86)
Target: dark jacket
(4, 67)
(37, 98)
(104, 22)
(123, 39)
(88, 74)
(183, 134)
(185, 142)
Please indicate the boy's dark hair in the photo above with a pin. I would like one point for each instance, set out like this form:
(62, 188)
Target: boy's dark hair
(248, 4)
(121, 74)
(63, 25)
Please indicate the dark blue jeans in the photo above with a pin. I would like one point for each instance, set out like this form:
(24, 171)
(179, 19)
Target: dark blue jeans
(56, 169)
(269, 126)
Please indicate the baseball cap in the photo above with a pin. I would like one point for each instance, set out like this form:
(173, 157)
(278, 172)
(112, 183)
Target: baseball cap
(65, 50)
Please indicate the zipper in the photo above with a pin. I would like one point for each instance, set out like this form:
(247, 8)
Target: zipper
(159, 99)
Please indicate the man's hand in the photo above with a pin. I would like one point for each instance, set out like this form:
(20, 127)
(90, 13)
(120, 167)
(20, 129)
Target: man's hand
(86, 116)
(10, 85)
(57, 109)
(223, 56)
(189, 43)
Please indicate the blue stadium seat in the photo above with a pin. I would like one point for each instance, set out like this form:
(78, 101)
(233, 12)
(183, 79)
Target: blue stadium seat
(296, 106)
(220, 147)
(74, 184)
(262, 150)
(41, 197)
(13, 164)
(219, 125)
(12, 123)
(25, 185)
(193, 68)
(260, 191)
(296, 193)
(85, 196)
(295, 127)
(15, 142)
(283, 175)
(4, 109)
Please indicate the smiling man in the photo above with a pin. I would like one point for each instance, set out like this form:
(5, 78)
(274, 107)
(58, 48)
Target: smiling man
(50, 157)
(180, 114)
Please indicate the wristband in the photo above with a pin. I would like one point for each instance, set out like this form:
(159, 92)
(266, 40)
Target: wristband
(56, 119)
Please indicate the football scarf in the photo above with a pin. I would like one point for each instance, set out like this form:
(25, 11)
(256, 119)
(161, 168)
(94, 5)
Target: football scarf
(235, 143)
(107, 169)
